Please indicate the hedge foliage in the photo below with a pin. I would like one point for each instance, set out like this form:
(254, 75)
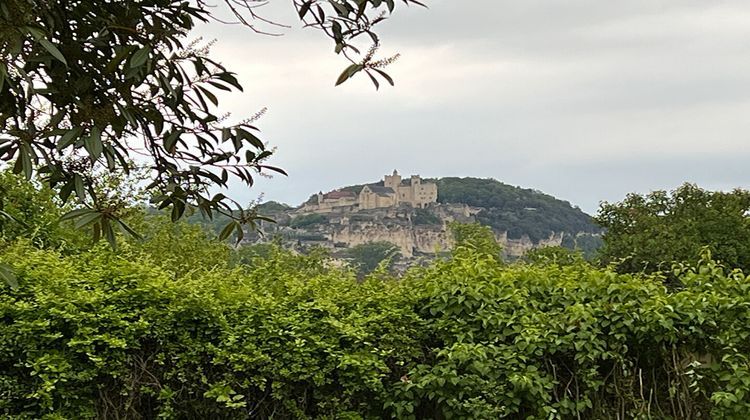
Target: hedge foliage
(122, 335)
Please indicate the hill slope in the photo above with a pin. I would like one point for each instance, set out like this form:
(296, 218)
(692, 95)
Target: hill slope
(516, 210)
(521, 218)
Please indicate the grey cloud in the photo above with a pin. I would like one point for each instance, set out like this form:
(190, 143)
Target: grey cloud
(583, 99)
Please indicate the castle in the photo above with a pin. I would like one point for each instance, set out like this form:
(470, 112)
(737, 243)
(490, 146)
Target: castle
(393, 192)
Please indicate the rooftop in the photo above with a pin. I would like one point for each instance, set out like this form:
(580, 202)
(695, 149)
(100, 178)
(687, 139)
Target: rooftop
(333, 195)
(383, 191)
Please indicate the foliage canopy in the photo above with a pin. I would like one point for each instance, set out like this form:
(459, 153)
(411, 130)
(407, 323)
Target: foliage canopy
(104, 334)
(90, 84)
(180, 325)
(369, 256)
(651, 232)
(515, 210)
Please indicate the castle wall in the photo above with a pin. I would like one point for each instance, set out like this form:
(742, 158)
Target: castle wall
(416, 194)
(405, 194)
(424, 194)
(370, 200)
(392, 181)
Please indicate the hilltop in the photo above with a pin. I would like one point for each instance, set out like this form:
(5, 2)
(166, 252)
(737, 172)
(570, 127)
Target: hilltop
(515, 210)
(410, 214)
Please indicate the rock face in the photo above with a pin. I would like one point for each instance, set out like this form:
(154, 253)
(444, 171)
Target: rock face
(417, 232)
(410, 240)
(414, 215)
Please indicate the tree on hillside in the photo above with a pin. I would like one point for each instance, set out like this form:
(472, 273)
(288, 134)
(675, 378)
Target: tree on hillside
(475, 238)
(92, 83)
(649, 232)
(367, 257)
(516, 210)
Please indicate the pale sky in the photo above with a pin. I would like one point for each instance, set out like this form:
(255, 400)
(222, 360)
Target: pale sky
(585, 100)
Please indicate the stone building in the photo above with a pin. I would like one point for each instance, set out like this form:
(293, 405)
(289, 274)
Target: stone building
(332, 200)
(414, 191)
(396, 191)
(393, 192)
(375, 197)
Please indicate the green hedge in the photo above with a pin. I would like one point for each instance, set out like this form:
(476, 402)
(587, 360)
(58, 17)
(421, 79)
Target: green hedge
(103, 335)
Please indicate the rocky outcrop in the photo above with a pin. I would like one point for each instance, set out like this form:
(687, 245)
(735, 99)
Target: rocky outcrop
(518, 247)
(410, 239)
(415, 231)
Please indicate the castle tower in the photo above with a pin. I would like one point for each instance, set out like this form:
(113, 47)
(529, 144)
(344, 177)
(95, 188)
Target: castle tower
(392, 181)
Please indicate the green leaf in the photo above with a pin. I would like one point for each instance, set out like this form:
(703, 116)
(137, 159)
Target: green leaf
(109, 233)
(13, 219)
(305, 8)
(229, 78)
(385, 76)
(93, 144)
(87, 219)
(227, 230)
(348, 72)
(69, 138)
(250, 137)
(74, 214)
(3, 75)
(275, 169)
(337, 34)
(211, 97)
(35, 32)
(170, 142)
(53, 50)
(264, 218)
(79, 187)
(8, 276)
(240, 232)
(23, 163)
(129, 230)
(374, 80)
(178, 209)
(139, 57)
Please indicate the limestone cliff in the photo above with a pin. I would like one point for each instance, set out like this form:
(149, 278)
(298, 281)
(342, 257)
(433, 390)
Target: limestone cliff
(415, 231)
(413, 214)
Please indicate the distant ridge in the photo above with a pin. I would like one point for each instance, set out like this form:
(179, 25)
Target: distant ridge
(521, 218)
(518, 211)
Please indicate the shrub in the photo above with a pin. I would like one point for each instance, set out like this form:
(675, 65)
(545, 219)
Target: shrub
(368, 256)
(105, 335)
(425, 217)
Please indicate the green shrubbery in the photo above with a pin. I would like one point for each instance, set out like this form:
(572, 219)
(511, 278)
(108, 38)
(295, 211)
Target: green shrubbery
(104, 334)
(308, 220)
(367, 257)
(650, 232)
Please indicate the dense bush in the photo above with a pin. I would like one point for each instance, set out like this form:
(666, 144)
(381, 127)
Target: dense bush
(121, 335)
(106, 335)
(425, 217)
(365, 258)
(30, 210)
(650, 232)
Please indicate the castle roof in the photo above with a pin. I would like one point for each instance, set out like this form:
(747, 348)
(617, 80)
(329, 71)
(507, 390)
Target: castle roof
(381, 191)
(333, 195)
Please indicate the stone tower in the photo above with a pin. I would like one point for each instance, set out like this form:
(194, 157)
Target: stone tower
(392, 181)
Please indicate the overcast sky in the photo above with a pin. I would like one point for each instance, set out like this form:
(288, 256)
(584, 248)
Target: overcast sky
(586, 100)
